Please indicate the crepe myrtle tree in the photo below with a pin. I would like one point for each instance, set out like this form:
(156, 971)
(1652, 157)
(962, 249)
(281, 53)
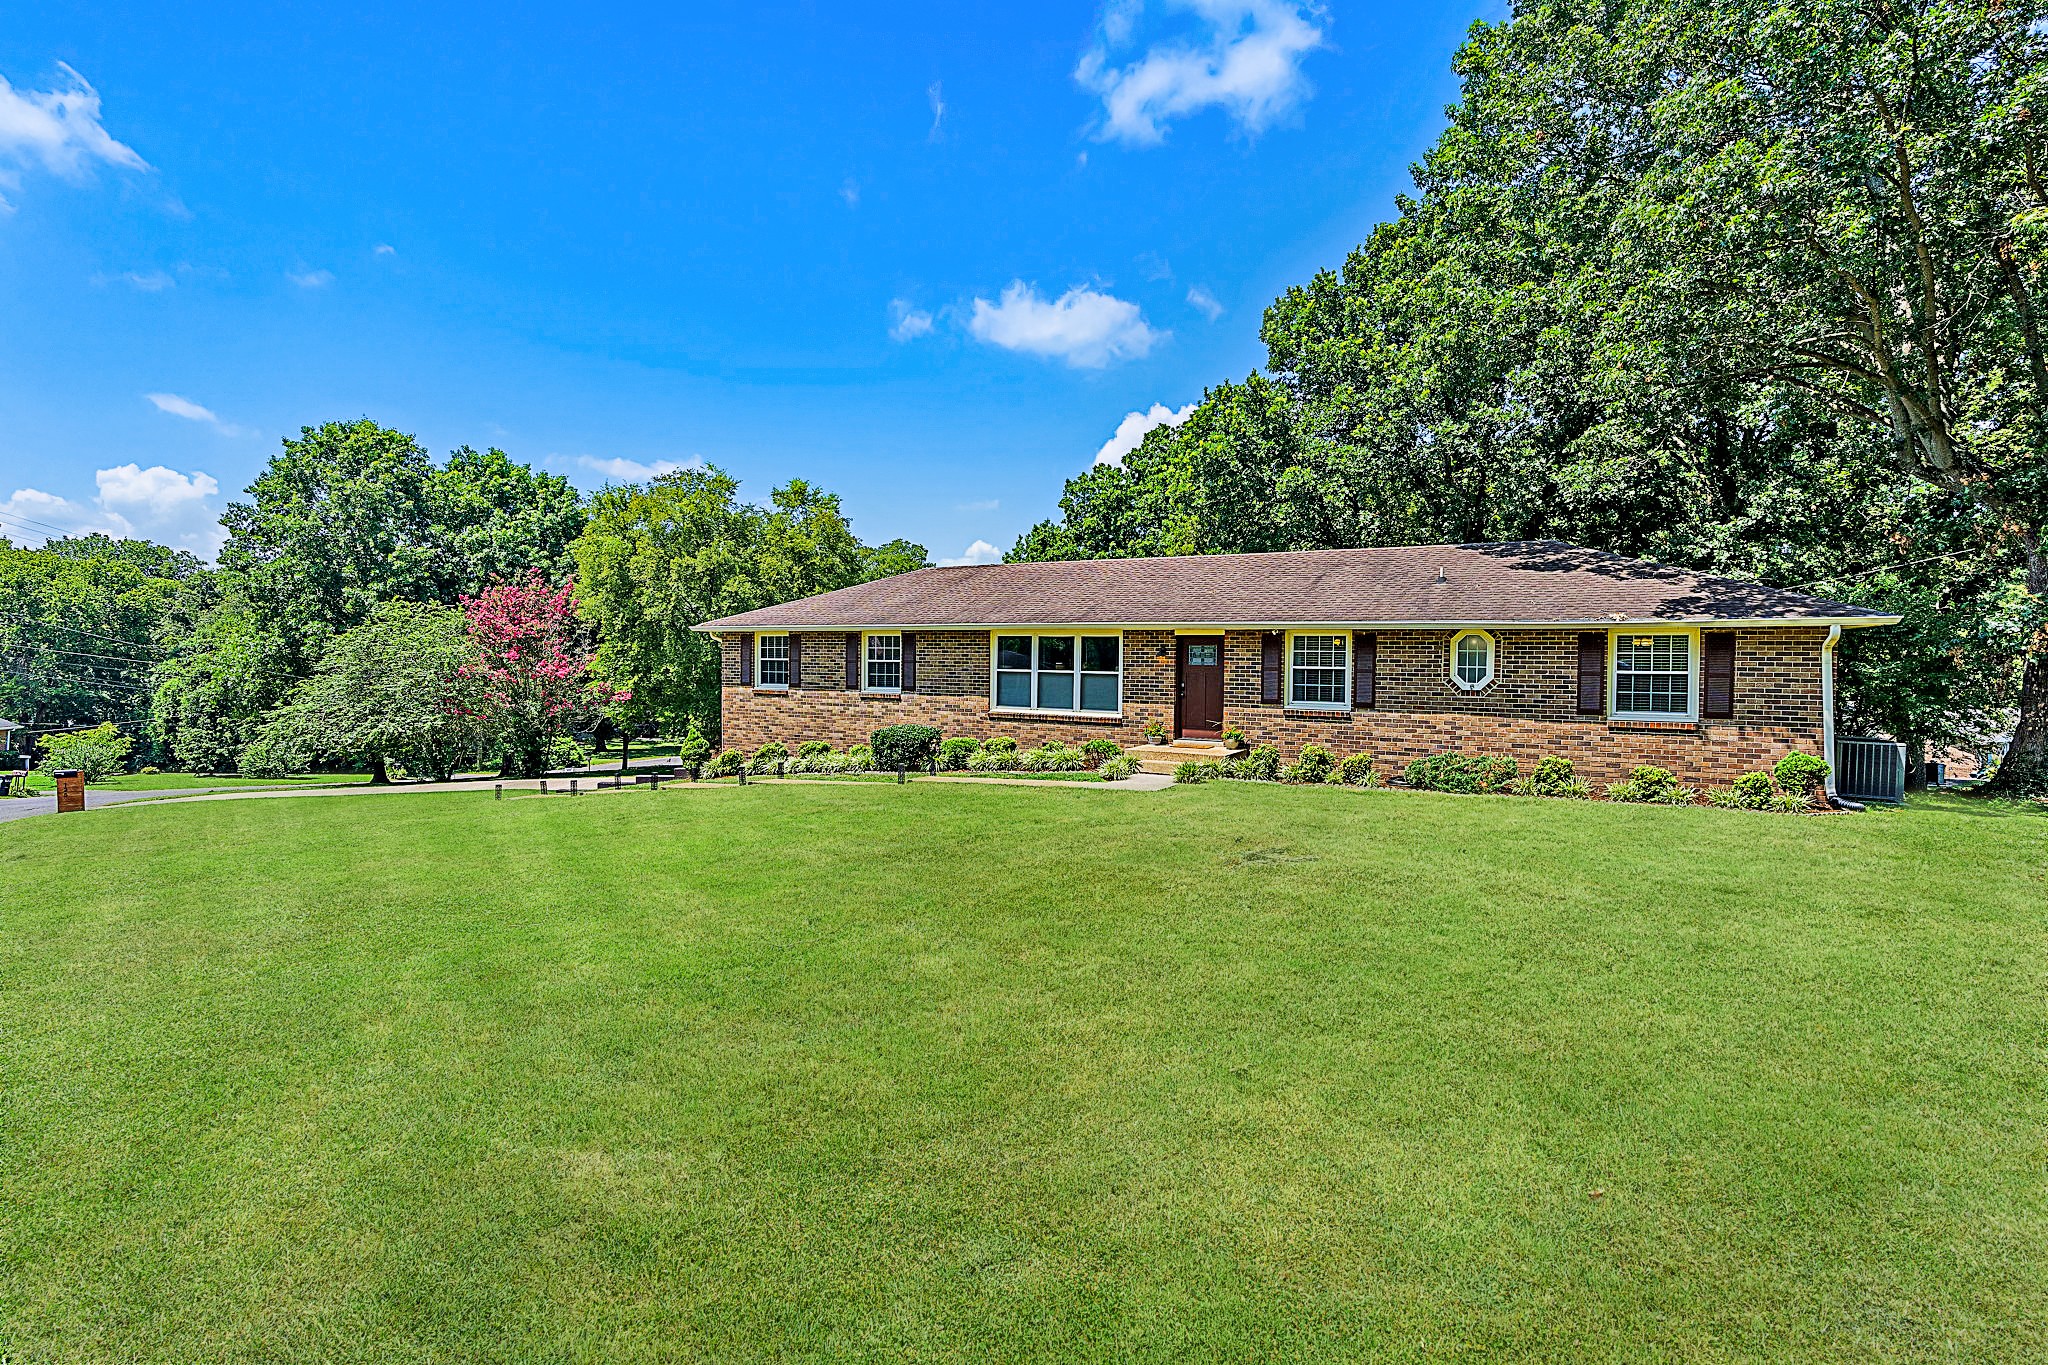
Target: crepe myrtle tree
(530, 674)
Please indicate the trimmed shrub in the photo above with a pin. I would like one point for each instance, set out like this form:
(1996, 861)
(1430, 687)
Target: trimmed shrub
(1260, 765)
(1101, 750)
(1356, 771)
(1233, 738)
(1118, 768)
(858, 758)
(1800, 774)
(1650, 785)
(813, 748)
(149, 770)
(728, 763)
(1314, 765)
(768, 755)
(955, 752)
(1552, 776)
(1473, 774)
(1195, 770)
(694, 748)
(911, 747)
(1000, 744)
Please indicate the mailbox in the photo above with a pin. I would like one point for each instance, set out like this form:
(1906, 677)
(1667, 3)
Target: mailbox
(70, 790)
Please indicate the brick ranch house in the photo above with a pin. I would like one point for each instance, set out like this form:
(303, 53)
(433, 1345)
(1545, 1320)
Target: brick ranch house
(1528, 648)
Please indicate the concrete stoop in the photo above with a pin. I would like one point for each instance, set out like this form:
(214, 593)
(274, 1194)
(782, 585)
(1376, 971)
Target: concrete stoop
(1164, 758)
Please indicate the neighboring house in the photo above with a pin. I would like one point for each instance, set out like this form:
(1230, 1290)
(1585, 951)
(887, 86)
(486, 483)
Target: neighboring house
(7, 729)
(1528, 649)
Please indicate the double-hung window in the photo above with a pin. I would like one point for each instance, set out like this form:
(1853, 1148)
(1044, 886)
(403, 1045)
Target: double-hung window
(1653, 676)
(1071, 673)
(1319, 670)
(884, 671)
(772, 656)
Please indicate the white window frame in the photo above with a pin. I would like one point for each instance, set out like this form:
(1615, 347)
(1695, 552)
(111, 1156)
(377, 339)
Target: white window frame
(1692, 675)
(1492, 660)
(1032, 633)
(1344, 652)
(761, 657)
(868, 662)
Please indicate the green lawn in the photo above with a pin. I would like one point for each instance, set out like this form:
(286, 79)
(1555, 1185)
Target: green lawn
(966, 1072)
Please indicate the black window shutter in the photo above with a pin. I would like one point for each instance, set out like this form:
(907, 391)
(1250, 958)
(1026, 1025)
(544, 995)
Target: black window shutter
(1269, 669)
(1717, 691)
(909, 661)
(1365, 664)
(796, 661)
(853, 662)
(1592, 672)
(746, 660)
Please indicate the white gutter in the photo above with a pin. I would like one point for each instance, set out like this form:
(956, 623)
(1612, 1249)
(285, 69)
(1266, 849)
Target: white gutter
(1827, 707)
(1835, 623)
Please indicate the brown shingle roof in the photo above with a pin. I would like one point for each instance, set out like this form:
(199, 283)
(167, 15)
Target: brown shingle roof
(1519, 583)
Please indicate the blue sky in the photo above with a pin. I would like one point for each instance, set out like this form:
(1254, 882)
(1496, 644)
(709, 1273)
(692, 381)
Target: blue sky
(932, 257)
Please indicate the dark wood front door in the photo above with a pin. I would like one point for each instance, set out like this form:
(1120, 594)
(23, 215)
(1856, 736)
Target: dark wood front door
(1201, 686)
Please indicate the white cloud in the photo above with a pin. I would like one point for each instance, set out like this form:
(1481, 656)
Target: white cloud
(980, 552)
(384, 249)
(158, 503)
(633, 471)
(192, 412)
(148, 281)
(1132, 429)
(1201, 298)
(59, 129)
(1082, 327)
(310, 279)
(849, 190)
(983, 505)
(907, 323)
(936, 97)
(1245, 61)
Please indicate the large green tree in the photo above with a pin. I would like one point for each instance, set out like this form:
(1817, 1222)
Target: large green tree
(1745, 286)
(659, 558)
(80, 625)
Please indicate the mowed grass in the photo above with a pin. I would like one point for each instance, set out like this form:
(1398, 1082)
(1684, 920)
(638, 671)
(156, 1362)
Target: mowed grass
(156, 782)
(964, 1072)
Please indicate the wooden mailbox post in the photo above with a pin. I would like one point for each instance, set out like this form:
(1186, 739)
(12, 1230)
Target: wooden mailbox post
(70, 790)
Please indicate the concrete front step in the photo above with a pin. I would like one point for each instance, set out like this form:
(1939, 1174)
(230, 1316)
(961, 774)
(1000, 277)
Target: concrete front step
(1164, 758)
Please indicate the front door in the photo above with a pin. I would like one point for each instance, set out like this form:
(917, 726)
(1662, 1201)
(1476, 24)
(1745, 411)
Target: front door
(1201, 686)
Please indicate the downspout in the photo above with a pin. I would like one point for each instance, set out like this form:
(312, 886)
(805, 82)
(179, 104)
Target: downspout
(1827, 719)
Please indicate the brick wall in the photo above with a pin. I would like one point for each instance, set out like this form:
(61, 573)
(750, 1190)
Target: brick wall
(1528, 710)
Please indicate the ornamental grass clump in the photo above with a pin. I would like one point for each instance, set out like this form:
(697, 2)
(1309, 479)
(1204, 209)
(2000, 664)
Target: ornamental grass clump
(1053, 757)
(1649, 785)
(858, 758)
(1314, 764)
(1471, 774)
(1117, 769)
(1260, 765)
(1552, 776)
(955, 753)
(1197, 770)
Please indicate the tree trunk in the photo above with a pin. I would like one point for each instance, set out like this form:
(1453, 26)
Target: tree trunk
(378, 777)
(625, 748)
(2024, 770)
(1916, 763)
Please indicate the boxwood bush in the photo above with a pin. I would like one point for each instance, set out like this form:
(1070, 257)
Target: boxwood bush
(910, 747)
(813, 748)
(728, 762)
(1651, 786)
(1356, 771)
(1477, 774)
(955, 753)
(1315, 764)
(1800, 774)
(1552, 776)
(1101, 750)
(768, 755)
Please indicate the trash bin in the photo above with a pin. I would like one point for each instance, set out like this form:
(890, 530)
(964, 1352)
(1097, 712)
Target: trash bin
(70, 789)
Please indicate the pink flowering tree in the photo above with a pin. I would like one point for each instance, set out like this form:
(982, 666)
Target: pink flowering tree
(530, 676)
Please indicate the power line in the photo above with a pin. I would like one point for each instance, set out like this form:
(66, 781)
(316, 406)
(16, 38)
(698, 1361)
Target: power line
(77, 654)
(1882, 568)
(80, 630)
(34, 527)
